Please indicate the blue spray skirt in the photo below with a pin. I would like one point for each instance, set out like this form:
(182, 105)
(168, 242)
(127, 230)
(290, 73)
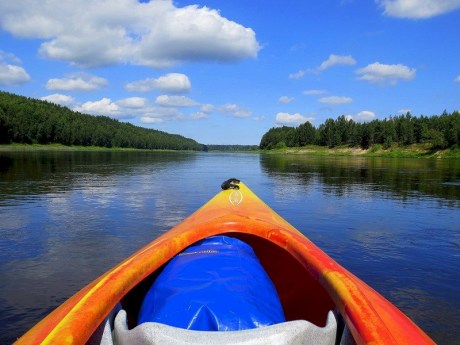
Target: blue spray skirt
(218, 284)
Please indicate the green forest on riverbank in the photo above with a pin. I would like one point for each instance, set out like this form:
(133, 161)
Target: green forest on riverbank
(40, 125)
(31, 121)
(435, 132)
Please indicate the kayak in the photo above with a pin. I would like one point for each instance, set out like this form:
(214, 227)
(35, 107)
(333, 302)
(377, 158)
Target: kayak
(315, 293)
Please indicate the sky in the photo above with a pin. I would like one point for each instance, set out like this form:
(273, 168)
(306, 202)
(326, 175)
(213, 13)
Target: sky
(225, 72)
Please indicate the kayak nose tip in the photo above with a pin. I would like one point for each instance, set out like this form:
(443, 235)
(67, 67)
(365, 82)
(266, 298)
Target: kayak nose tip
(231, 183)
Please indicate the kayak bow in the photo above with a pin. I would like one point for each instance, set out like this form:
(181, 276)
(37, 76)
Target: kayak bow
(308, 281)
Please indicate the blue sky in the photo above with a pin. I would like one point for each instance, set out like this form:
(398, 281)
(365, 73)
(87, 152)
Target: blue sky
(224, 72)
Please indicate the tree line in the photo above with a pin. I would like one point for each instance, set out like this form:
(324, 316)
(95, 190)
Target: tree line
(441, 131)
(27, 120)
(232, 148)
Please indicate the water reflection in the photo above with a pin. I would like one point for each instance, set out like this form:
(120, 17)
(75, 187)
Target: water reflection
(26, 173)
(66, 217)
(402, 178)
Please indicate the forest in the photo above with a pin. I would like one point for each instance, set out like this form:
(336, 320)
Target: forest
(31, 121)
(441, 131)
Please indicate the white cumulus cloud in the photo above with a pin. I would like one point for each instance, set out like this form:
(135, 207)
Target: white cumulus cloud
(132, 102)
(314, 92)
(132, 107)
(457, 79)
(362, 116)
(418, 9)
(297, 75)
(171, 83)
(161, 114)
(286, 99)
(382, 74)
(13, 75)
(175, 101)
(151, 119)
(104, 106)
(154, 33)
(365, 116)
(207, 108)
(234, 110)
(291, 119)
(334, 60)
(10, 71)
(335, 100)
(57, 98)
(76, 83)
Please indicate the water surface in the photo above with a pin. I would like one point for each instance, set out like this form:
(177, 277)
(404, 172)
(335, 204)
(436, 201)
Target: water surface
(66, 217)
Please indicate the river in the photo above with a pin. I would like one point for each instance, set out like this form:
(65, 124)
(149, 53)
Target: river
(66, 217)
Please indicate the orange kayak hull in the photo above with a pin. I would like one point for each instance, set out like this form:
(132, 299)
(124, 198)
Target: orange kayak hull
(309, 282)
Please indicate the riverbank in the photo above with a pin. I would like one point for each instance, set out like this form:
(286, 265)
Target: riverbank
(60, 147)
(410, 151)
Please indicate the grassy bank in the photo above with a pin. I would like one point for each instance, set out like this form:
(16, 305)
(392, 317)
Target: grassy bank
(411, 151)
(60, 147)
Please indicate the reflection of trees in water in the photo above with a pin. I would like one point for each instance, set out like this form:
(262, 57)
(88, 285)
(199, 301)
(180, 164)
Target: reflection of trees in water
(31, 173)
(403, 178)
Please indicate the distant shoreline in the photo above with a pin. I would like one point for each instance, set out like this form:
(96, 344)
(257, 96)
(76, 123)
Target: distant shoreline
(60, 147)
(411, 151)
